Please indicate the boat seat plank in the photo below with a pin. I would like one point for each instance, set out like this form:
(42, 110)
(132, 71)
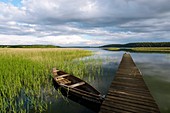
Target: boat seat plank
(77, 84)
(63, 75)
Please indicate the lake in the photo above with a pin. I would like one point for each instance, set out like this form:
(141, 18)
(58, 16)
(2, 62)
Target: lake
(155, 68)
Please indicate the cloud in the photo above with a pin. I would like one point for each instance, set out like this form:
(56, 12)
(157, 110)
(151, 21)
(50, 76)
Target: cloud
(118, 21)
(55, 40)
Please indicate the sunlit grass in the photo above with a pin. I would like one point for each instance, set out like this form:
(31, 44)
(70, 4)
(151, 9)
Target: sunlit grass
(141, 49)
(25, 75)
(152, 49)
(113, 49)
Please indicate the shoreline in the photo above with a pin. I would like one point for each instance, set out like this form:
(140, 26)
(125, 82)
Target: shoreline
(142, 49)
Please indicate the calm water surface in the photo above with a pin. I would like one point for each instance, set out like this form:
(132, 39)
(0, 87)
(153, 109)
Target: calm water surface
(155, 68)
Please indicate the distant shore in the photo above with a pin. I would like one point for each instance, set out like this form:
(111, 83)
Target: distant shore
(141, 49)
(29, 46)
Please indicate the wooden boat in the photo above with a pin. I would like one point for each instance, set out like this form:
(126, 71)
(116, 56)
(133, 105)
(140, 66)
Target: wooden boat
(77, 90)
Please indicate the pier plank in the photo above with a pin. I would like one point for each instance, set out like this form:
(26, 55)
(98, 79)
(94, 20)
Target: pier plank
(128, 92)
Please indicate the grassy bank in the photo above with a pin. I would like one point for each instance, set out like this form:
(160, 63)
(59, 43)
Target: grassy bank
(151, 49)
(112, 49)
(25, 75)
(142, 49)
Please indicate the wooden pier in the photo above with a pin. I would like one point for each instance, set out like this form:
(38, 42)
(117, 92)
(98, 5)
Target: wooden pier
(128, 92)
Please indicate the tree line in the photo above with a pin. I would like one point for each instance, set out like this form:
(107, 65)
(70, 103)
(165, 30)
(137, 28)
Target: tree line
(28, 46)
(140, 44)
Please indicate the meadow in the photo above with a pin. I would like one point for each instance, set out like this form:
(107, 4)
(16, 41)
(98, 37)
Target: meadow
(25, 75)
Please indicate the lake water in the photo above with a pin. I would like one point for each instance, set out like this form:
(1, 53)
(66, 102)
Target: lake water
(155, 68)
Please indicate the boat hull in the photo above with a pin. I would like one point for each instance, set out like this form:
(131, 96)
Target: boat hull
(77, 90)
(88, 101)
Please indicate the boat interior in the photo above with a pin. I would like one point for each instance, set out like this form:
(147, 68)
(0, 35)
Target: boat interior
(71, 81)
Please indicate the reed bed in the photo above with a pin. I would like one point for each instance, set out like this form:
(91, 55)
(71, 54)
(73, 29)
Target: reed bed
(112, 49)
(25, 75)
(152, 49)
(141, 49)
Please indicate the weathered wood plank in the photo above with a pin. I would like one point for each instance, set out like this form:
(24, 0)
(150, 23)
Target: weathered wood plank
(127, 107)
(128, 92)
(132, 97)
(131, 91)
(129, 100)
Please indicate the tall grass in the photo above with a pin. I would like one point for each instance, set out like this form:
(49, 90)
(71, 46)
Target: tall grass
(112, 49)
(152, 49)
(25, 75)
(141, 49)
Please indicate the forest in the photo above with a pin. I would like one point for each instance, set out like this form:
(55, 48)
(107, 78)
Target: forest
(140, 44)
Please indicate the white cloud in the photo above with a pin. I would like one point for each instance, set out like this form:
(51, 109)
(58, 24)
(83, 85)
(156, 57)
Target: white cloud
(61, 9)
(9, 12)
(54, 40)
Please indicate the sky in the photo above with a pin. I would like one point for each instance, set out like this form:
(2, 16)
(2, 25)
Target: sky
(83, 22)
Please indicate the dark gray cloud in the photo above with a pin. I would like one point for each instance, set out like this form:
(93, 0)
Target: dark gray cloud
(111, 21)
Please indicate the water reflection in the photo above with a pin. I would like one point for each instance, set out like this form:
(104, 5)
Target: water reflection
(110, 62)
(154, 67)
(101, 81)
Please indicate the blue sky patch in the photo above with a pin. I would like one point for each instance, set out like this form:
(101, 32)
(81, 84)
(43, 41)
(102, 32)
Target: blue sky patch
(14, 2)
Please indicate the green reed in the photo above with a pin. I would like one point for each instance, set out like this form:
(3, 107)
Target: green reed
(152, 49)
(141, 49)
(25, 76)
